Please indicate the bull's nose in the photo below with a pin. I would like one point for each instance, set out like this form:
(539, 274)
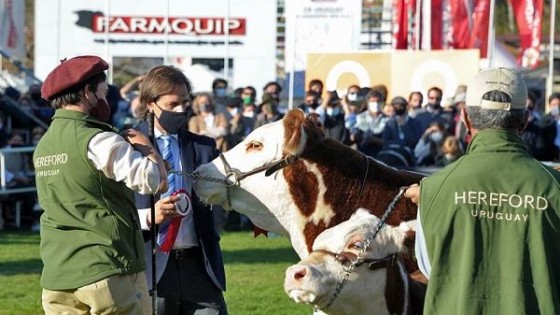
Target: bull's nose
(298, 272)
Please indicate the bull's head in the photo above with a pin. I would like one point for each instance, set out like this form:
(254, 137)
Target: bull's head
(314, 280)
(258, 195)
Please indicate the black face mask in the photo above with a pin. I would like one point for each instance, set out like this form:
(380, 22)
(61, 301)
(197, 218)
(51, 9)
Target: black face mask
(35, 96)
(400, 111)
(171, 121)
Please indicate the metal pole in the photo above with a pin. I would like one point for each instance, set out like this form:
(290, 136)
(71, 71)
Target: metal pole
(550, 81)
(107, 55)
(153, 226)
(293, 60)
(166, 61)
(491, 41)
(226, 42)
(417, 23)
(426, 24)
(57, 19)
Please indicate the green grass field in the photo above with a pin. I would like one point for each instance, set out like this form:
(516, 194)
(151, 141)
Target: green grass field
(254, 267)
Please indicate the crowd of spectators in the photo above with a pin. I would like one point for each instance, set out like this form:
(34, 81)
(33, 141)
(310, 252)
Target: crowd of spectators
(421, 130)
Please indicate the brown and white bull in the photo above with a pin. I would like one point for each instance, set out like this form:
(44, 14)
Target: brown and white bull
(379, 283)
(315, 182)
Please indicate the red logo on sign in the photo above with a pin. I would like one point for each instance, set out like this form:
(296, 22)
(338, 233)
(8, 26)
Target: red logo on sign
(194, 26)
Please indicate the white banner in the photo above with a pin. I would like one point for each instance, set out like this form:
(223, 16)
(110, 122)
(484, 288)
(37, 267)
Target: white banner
(12, 28)
(320, 26)
(174, 31)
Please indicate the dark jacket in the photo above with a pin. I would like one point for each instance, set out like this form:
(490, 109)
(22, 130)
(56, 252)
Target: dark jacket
(195, 151)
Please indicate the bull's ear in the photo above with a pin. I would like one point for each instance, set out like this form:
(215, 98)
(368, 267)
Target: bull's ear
(294, 135)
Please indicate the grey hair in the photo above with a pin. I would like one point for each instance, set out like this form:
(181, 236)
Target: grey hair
(484, 118)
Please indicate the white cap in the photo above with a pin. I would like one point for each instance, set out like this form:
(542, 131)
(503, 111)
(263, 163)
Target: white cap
(497, 79)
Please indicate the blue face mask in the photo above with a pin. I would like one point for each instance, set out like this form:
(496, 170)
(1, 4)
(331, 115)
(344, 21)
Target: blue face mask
(220, 92)
(333, 111)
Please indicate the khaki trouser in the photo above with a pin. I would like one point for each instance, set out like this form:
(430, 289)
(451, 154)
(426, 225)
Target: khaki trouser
(119, 294)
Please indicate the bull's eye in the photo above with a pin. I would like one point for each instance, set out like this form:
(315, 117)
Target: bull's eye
(358, 245)
(254, 146)
(341, 258)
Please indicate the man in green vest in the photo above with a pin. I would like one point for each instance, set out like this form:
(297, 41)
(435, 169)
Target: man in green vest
(91, 243)
(489, 223)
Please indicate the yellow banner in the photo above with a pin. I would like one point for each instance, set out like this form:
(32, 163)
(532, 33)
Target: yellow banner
(401, 71)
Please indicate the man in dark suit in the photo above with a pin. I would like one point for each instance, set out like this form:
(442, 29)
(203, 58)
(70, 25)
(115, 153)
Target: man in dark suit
(190, 269)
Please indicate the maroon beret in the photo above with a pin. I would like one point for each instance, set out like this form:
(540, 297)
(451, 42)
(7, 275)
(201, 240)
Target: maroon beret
(71, 73)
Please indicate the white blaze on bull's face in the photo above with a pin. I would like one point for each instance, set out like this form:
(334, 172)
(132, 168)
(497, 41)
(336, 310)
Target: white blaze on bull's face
(314, 279)
(256, 196)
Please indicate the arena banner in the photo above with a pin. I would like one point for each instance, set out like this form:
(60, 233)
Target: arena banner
(528, 15)
(182, 33)
(401, 71)
(318, 26)
(310, 22)
(469, 25)
(12, 31)
(400, 24)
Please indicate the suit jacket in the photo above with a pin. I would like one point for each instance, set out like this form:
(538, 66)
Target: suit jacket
(195, 151)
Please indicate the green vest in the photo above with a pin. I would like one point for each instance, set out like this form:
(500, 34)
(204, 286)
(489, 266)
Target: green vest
(492, 225)
(90, 228)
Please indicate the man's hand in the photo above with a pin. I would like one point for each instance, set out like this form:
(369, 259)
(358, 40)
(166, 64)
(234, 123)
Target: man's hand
(413, 193)
(164, 210)
(141, 143)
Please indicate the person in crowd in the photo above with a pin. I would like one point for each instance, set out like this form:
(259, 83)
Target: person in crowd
(415, 101)
(450, 151)
(36, 135)
(352, 111)
(273, 89)
(19, 173)
(26, 104)
(427, 150)
(41, 108)
(310, 102)
(352, 96)
(219, 94)
(91, 243)
(458, 127)
(434, 110)
(190, 271)
(532, 134)
(239, 125)
(401, 130)
(17, 166)
(316, 86)
(131, 88)
(4, 134)
(209, 122)
(383, 91)
(367, 133)
(250, 111)
(249, 95)
(400, 134)
(388, 110)
(237, 92)
(268, 112)
(487, 224)
(331, 115)
(550, 125)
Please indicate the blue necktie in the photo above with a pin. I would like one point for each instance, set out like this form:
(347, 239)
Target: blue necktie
(167, 154)
(168, 230)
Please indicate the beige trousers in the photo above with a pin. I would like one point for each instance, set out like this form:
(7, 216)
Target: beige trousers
(119, 294)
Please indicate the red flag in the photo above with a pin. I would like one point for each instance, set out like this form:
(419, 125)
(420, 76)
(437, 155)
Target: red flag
(469, 25)
(437, 24)
(400, 24)
(528, 15)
